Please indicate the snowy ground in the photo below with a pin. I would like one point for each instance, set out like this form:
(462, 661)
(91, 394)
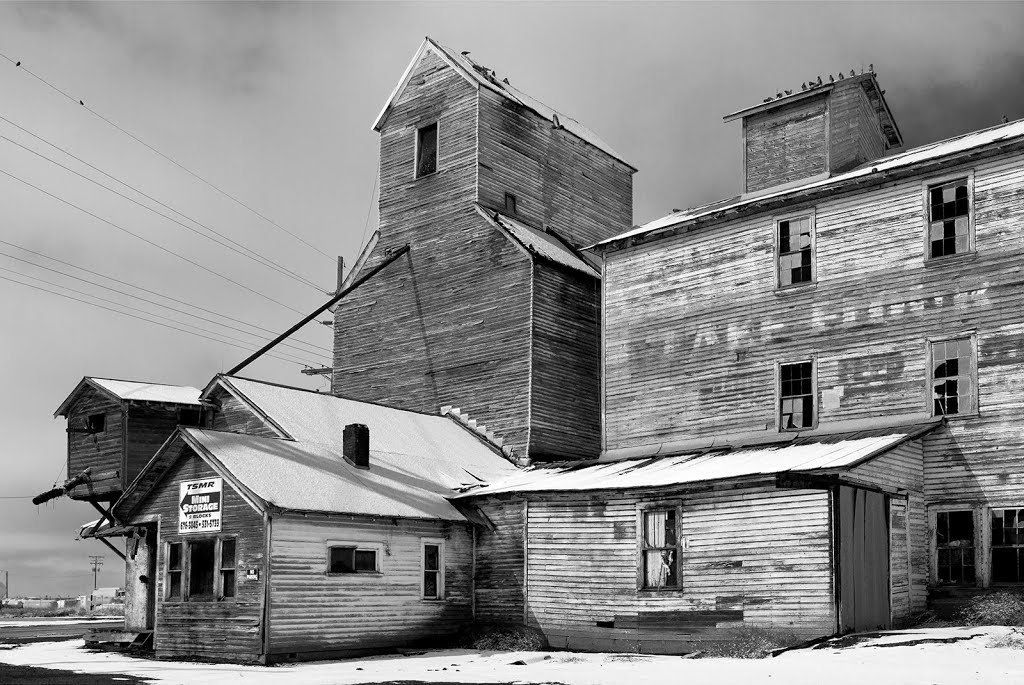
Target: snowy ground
(906, 657)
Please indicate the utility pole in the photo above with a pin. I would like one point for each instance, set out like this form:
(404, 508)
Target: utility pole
(97, 561)
(7, 588)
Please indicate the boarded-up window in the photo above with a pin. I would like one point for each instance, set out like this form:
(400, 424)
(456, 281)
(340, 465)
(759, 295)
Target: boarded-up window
(433, 570)
(426, 150)
(952, 381)
(173, 591)
(660, 549)
(1008, 545)
(954, 545)
(227, 567)
(795, 251)
(201, 555)
(510, 203)
(949, 218)
(351, 560)
(796, 396)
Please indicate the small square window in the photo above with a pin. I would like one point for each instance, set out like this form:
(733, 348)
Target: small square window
(426, 150)
(952, 379)
(351, 560)
(950, 221)
(795, 255)
(659, 549)
(954, 547)
(96, 423)
(510, 204)
(796, 396)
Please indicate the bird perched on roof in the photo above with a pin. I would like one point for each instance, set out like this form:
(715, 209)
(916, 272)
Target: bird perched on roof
(778, 95)
(818, 82)
(841, 77)
(788, 92)
(465, 53)
(852, 72)
(803, 86)
(505, 81)
(18, 63)
(766, 100)
(831, 78)
(1005, 120)
(871, 68)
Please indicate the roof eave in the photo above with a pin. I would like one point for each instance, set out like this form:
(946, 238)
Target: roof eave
(779, 102)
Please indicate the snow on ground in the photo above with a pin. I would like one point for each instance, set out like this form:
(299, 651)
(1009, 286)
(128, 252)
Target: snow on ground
(912, 657)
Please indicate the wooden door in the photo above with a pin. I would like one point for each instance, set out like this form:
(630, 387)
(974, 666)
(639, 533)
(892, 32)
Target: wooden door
(863, 543)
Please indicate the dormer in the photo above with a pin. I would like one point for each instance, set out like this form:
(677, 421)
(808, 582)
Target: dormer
(824, 129)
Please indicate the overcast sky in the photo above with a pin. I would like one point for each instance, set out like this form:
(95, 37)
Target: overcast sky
(273, 104)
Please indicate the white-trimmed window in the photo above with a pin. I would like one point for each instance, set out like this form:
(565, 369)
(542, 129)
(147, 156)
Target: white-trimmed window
(949, 206)
(797, 396)
(659, 547)
(952, 376)
(200, 569)
(794, 250)
(345, 558)
(1008, 546)
(432, 567)
(426, 150)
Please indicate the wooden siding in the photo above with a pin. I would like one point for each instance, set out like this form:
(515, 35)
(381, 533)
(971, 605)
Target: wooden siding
(753, 557)
(233, 416)
(148, 427)
(558, 180)
(228, 630)
(695, 327)
(565, 401)
(785, 144)
(313, 614)
(499, 571)
(102, 452)
(855, 134)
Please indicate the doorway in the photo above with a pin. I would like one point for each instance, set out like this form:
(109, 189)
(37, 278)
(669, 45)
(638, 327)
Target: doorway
(863, 545)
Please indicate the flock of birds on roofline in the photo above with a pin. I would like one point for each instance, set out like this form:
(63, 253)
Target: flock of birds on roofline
(808, 85)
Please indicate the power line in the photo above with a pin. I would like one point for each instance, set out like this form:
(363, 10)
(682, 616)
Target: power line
(149, 242)
(249, 253)
(158, 304)
(142, 318)
(161, 154)
(153, 292)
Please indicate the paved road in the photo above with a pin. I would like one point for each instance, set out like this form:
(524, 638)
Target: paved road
(20, 630)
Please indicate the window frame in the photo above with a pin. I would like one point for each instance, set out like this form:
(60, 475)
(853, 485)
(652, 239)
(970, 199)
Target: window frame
(436, 123)
(813, 361)
(989, 534)
(186, 569)
(973, 373)
(978, 518)
(811, 214)
(680, 546)
(439, 543)
(98, 418)
(360, 546)
(926, 186)
(514, 210)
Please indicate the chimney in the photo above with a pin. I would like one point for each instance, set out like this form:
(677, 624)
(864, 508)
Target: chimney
(356, 445)
(828, 128)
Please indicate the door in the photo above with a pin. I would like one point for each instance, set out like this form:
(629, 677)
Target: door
(140, 579)
(863, 543)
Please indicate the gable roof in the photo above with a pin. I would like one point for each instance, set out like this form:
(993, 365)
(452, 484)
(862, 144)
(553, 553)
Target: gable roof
(969, 144)
(813, 454)
(480, 77)
(135, 391)
(539, 243)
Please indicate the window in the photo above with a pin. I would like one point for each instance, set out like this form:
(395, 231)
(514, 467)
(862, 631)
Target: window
(201, 570)
(950, 225)
(1008, 545)
(96, 423)
(952, 377)
(660, 549)
(351, 559)
(510, 203)
(426, 150)
(954, 544)
(190, 417)
(174, 564)
(796, 396)
(795, 250)
(433, 569)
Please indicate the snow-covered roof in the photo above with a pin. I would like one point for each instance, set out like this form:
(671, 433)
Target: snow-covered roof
(539, 243)
(1004, 133)
(822, 453)
(135, 391)
(480, 76)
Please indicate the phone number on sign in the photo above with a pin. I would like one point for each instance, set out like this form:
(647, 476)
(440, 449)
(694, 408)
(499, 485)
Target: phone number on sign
(204, 524)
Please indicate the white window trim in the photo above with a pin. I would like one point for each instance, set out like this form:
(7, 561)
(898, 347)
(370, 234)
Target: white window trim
(441, 566)
(641, 508)
(777, 407)
(926, 184)
(930, 369)
(416, 150)
(812, 214)
(360, 545)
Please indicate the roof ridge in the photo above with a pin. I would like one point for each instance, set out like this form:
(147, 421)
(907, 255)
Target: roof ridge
(125, 380)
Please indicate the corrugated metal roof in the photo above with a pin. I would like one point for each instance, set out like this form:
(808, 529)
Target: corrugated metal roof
(804, 454)
(134, 390)
(316, 477)
(976, 139)
(540, 243)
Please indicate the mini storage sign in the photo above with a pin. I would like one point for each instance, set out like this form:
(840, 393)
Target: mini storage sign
(200, 506)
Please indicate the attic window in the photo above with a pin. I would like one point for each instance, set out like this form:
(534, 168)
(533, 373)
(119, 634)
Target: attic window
(426, 150)
(96, 423)
(190, 417)
(510, 203)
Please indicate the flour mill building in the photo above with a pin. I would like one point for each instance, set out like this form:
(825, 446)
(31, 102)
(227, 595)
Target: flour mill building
(797, 408)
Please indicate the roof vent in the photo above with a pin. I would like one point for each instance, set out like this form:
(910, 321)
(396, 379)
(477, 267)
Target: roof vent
(356, 445)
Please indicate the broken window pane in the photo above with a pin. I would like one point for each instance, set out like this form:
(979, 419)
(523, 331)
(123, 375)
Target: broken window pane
(795, 251)
(949, 222)
(796, 396)
(1007, 546)
(426, 150)
(954, 543)
(952, 376)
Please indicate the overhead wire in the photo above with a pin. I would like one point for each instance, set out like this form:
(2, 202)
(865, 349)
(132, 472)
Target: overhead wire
(161, 154)
(142, 318)
(158, 294)
(149, 242)
(249, 252)
(158, 304)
